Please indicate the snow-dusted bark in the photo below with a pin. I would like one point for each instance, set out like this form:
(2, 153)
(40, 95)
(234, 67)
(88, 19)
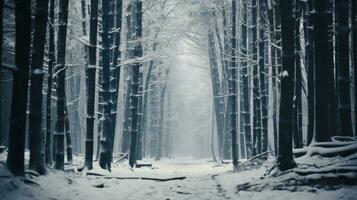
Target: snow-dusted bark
(60, 74)
(285, 159)
(91, 74)
(37, 151)
(104, 156)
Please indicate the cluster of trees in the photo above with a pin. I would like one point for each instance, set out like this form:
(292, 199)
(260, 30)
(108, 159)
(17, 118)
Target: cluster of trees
(271, 63)
(276, 65)
(125, 41)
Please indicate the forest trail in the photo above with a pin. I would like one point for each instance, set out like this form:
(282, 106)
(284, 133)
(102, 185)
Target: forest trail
(200, 182)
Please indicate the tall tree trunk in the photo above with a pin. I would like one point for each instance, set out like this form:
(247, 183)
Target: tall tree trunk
(37, 153)
(115, 73)
(91, 71)
(216, 86)
(233, 86)
(343, 73)
(51, 55)
(61, 72)
(104, 156)
(263, 142)
(320, 26)
(354, 25)
(245, 82)
(15, 158)
(256, 98)
(285, 159)
(298, 142)
(309, 45)
(135, 85)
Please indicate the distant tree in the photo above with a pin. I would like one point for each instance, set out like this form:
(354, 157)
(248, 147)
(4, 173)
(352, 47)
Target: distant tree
(233, 86)
(67, 133)
(91, 71)
(37, 154)
(285, 158)
(61, 72)
(343, 73)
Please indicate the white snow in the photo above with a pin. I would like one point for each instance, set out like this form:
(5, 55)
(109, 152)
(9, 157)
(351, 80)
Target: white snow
(204, 180)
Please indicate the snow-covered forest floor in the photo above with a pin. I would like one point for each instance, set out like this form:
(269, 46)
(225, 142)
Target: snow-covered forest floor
(203, 180)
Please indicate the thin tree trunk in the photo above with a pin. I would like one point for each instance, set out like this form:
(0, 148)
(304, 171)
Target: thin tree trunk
(354, 25)
(15, 158)
(115, 73)
(91, 71)
(51, 55)
(311, 71)
(135, 85)
(37, 153)
(67, 132)
(233, 86)
(61, 69)
(285, 159)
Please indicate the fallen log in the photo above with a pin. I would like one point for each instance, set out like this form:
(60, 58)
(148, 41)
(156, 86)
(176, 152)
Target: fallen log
(342, 150)
(138, 177)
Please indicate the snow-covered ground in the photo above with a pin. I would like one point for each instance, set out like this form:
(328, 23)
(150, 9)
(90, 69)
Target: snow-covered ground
(204, 180)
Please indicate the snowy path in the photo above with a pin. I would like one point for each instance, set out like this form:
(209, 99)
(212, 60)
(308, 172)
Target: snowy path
(204, 181)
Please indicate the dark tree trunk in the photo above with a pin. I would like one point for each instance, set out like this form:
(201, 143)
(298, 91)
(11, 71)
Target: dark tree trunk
(104, 156)
(256, 98)
(61, 69)
(15, 158)
(233, 86)
(343, 73)
(332, 97)
(263, 142)
(115, 73)
(354, 25)
(91, 71)
(320, 26)
(135, 85)
(298, 142)
(245, 82)
(285, 159)
(51, 55)
(311, 71)
(37, 153)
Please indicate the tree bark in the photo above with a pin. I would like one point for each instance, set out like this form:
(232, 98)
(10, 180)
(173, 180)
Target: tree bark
(135, 85)
(343, 73)
(91, 74)
(233, 86)
(104, 156)
(15, 158)
(285, 159)
(37, 153)
(61, 69)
